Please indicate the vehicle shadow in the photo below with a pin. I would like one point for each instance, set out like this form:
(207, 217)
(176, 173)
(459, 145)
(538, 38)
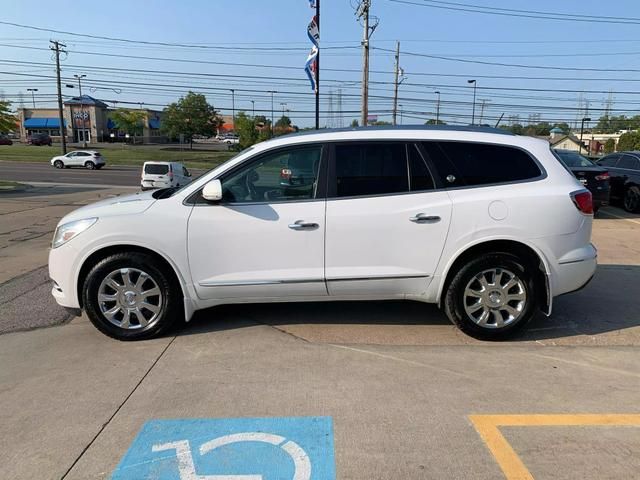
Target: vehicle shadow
(610, 303)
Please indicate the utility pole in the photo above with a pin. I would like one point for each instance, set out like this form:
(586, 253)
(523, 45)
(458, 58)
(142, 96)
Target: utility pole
(84, 130)
(396, 83)
(56, 47)
(318, 69)
(473, 113)
(272, 92)
(437, 92)
(363, 12)
(233, 109)
(33, 98)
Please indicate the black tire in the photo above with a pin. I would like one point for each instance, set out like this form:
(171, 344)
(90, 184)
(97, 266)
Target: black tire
(58, 164)
(171, 313)
(89, 165)
(631, 200)
(98, 167)
(454, 302)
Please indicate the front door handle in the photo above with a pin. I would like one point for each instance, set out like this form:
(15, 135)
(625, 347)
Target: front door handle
(302, 225)
(424, 218)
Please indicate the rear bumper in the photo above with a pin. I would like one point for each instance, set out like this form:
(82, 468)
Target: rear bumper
(574, 273)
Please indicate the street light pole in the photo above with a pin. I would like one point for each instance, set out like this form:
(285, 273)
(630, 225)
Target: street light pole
(233, 109)
(585, 119)
(272, 92)
(84, 135)
(437, 108)
(473, 113)
(33, 98)
(253, 108)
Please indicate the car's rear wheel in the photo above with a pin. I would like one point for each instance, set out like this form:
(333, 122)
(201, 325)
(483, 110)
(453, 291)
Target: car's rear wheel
(58, 164)
(132, 296)
(98, 167)
(492, 297)
(632, 199)
(90, 165)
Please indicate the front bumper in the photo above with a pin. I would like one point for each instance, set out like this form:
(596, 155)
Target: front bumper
(61, 272)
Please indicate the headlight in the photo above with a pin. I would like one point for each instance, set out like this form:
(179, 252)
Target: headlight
(66, 232)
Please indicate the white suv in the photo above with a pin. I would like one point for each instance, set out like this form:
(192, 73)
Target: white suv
(89, 159)
(486, 224)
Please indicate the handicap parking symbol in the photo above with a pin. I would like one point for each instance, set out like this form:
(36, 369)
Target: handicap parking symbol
(288, 448)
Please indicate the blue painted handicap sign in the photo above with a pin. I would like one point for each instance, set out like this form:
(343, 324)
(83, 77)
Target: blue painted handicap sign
(290, 448)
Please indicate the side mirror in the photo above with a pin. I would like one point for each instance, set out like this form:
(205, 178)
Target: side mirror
(212, 191)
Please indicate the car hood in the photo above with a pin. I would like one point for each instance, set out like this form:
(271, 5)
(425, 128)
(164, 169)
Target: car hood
(109, 207)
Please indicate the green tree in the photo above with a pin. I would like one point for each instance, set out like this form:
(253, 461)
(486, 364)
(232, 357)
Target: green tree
(7, 120)
(354, 123)
(246, 129)
(433, 121)
(129, 121)
(610, 146)
(629, 141)
(191, 115)
(283, 122)
(379, 123)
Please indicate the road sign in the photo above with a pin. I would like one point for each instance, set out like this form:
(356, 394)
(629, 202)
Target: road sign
(289, 448)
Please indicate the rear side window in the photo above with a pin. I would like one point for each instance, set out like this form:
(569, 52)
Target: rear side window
(486, 164)
(609, 161)
(156, 169)
(371, 169)
(628, 162)
(420, 175)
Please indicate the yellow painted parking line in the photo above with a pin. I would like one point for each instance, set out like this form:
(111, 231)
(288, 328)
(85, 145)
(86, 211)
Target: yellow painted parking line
(488, 426)
(632, 220)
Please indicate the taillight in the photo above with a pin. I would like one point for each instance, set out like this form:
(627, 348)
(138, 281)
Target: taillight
(286, 173)
(603, 176)
(583, 201)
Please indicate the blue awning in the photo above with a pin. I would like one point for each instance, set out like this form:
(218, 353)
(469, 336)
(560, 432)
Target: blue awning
(111, 125)
(43, 123)
(154, 123)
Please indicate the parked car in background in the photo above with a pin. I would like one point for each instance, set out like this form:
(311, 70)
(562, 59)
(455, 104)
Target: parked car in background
(488, 225)
(231, 139)
(4, 140)
(592, 176)
(89, 159)
(624, 169)
(40, 139)
(164, 175)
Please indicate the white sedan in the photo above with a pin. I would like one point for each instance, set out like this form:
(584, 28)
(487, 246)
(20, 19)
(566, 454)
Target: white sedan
(89, 159)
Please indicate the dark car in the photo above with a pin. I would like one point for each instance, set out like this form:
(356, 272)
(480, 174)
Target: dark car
(40, 139)
(4, 140)
(592, 176)
(624, 168)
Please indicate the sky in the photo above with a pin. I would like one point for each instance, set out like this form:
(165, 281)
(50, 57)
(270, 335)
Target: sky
(255, 47)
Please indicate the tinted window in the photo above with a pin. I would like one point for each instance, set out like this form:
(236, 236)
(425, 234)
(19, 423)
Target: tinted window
(156, 169)
(629, 162)
(420, 177)
(609, 161)
(574, 159)
(288, 174)
(371, 169)
(483, 164)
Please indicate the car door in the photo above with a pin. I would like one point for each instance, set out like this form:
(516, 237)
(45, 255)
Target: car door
(71, 159)
(386, 220)
(265, 239)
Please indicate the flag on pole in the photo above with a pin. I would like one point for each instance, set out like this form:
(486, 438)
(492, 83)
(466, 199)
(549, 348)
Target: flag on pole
(312, 3)
(313, 32)
(311, 67)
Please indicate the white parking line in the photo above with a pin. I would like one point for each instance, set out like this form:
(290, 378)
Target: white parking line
(618, 216)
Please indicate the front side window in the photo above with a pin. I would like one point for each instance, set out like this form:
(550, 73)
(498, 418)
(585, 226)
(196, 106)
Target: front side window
(285, 175)
(486, 164)
(371, 169)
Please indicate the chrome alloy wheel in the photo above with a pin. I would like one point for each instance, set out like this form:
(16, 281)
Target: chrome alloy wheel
(129, 298)
(495, 298)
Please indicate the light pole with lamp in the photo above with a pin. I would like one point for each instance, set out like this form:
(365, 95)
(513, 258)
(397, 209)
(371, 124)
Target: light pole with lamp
(233, 109)
(272, 93)
(585, 119)
(253, 108)
(473, 113)
(437, 92)
(33, 98)
(84, 131)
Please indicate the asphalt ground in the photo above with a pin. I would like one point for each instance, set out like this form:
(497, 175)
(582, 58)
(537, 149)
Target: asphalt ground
(110, 175)
(408, 395)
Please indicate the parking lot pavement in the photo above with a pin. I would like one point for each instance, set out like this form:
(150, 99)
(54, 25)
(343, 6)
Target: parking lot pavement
(407, 395)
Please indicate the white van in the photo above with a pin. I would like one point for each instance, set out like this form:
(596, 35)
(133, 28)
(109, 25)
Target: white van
(164, 175)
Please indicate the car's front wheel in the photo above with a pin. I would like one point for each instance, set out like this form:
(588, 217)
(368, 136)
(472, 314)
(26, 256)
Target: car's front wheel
(492, 297)
(132, 296)
(90, 165)
(58, 164)
(632, 199)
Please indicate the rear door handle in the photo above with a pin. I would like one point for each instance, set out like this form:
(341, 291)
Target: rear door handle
(302, 225)
(424, 218)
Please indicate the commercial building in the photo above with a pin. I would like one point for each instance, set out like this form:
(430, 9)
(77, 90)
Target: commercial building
(86, 119)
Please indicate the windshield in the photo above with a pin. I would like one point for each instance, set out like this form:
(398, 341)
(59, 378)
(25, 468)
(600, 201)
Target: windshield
(574, 159)
(156, 169)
